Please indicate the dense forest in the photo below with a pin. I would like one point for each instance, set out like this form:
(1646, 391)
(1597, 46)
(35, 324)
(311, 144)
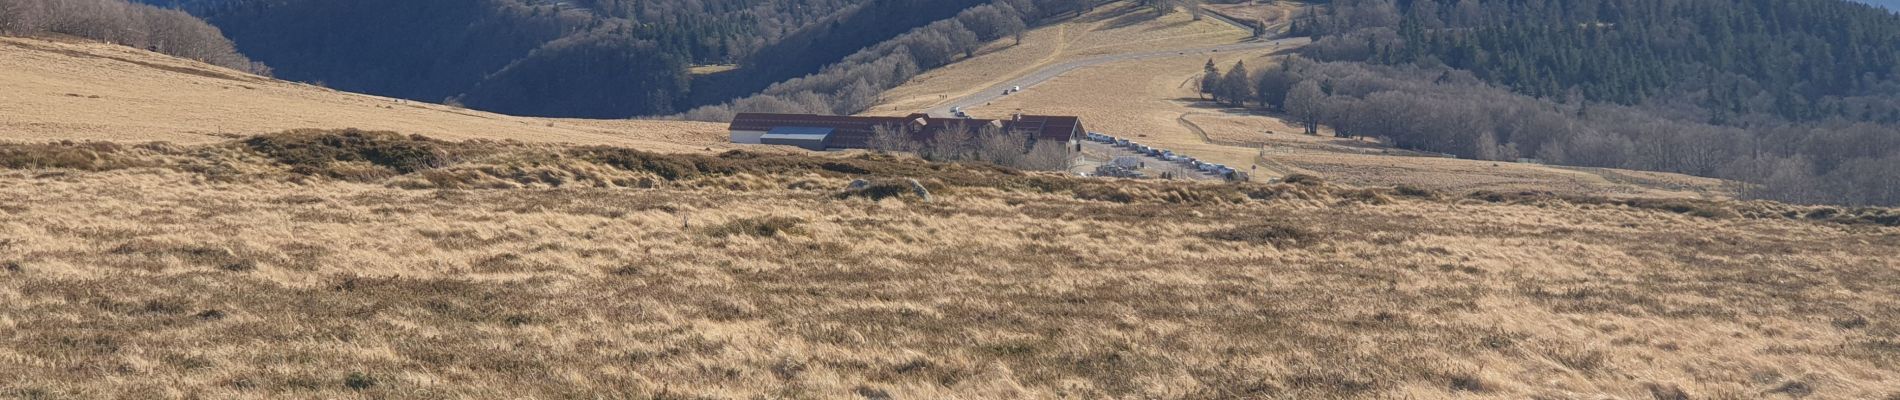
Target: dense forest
(1799, 98)
(135, 25)
(1888, 4)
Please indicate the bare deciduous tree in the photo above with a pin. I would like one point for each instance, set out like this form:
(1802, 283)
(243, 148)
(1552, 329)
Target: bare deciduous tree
(1047, 156)
(954, 143)
(135, 25)
(892, 139)
(1306, 104)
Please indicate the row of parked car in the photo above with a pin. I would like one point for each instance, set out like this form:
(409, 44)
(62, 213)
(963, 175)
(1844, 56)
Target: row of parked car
(1165, 155)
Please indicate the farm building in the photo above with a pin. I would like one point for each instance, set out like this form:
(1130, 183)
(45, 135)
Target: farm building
(826, 132)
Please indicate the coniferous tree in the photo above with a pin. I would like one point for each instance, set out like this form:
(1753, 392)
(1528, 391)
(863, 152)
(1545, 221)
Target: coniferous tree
(1237, 86)
(1210, 79)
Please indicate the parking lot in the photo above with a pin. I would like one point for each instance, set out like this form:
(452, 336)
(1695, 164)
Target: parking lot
(1110, 156)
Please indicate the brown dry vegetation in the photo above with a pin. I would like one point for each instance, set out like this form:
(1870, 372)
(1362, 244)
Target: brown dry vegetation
(1156, 102)
(56, 90)
(318, 265)
(1112, 29)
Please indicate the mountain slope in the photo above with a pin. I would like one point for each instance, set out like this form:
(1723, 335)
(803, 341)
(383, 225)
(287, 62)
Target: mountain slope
(572, 264)
(88, 91)
(1154, 101)
(603, 58)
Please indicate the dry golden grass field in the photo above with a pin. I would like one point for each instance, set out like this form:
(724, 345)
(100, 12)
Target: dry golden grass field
(1155, 102)
(345, 264)
(55, 90)
(181, 237)
(1121, 27)
(1272, 13)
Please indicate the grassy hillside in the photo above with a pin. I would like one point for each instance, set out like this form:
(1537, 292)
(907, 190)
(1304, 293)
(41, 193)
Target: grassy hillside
(1156, 102)
(326, 264)
(585, 58)
(158, 240)
(88, 91)
(500, 55)
(124, 23)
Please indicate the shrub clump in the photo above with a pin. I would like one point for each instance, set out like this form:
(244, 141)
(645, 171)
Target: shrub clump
(1415, 192)
(1274, 233)
(1304, 179)
(351, 154)
(359, 381)
(85, 156)
(1108, 193)
(1699, 208)
(879, 189)
(759, 227)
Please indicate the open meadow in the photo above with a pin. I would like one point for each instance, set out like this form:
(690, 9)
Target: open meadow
(1115, 28)
(1157, 102)
(324, 264)
(172, 230)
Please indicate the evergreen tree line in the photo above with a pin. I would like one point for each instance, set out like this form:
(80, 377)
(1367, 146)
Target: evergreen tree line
(1802, 60)
(1450, 111)
(1798, 98)
(118, 22)
(853, 84)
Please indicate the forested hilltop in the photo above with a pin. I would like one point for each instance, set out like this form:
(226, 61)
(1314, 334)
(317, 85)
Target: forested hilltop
(1799, 98)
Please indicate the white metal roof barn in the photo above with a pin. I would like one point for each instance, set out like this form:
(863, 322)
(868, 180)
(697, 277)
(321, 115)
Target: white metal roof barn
(809, 138)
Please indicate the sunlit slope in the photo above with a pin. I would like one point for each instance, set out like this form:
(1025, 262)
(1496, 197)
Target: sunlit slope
(1156, 101)
(55, 90)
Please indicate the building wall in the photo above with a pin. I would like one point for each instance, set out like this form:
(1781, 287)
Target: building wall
(747, 137)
